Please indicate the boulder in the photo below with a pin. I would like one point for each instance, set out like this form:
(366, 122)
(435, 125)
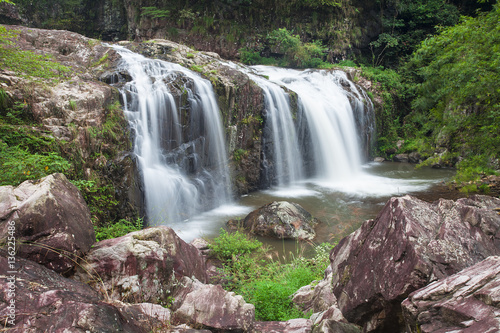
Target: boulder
(291, 326)
(332, 326)
(142, 266)
(403, 158)
(408, 245)
(464, 302)
(47, 302)
(315, 297)
(414, 157)
(378, 159)
(49, 220)
(210, 306)
(281, 219)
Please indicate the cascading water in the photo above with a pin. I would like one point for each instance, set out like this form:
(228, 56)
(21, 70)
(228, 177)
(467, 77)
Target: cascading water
(179, 139)
(328, 132)
(283, 137)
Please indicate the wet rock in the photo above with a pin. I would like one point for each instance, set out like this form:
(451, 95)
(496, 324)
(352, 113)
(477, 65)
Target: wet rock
(403, 158)
(283, 220)
(290, 326)
(464, 302)
(142, 266)
(410, 244)
(210, 306)
(414, 157)
(379, 159)
(49, 219)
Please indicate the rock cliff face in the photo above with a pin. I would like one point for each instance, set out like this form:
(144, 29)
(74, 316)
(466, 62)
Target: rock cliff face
(78, 111)
(240, 100)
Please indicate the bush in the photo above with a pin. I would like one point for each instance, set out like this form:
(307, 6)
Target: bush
(227, 245)
(264, 282)
(118, 229)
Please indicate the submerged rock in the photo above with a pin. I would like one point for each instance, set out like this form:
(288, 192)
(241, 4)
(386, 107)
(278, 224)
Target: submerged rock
(283, 220)
(49, 220)
(464, 302)
(210, 306)
(142, 266)
(410, 244)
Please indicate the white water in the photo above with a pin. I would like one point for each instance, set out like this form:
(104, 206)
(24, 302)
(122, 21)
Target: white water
(184, 170)
(286, 158)
(330, 119)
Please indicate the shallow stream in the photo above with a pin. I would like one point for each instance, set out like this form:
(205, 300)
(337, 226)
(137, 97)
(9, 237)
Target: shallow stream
(341, 206)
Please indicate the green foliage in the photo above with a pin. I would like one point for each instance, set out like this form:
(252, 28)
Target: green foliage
(457, 93)
(390, 87)
(227, 245)
(100, 199)
(251, 57)
(154, 12)
(27, 63)
(264, 282)
(197, 68)
(26, 152)
(19, 165)
(117, 229)
(297, 53)
(72, 105)
(405, 24)
(239, 154)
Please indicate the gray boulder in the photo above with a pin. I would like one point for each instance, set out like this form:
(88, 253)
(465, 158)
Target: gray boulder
(410, 244)
(142, 266)
(49, 219)
(464, 302)
(281, 219)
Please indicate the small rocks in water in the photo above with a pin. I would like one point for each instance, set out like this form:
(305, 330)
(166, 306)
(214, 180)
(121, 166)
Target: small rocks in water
(281, 219)
(379, 159)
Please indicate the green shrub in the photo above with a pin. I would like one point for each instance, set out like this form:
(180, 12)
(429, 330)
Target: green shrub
(264, 282)
(118, 229)
(100, 198)
(229, 245)
(19, 164)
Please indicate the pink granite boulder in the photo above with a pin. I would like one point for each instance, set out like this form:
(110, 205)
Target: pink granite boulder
(468, 301)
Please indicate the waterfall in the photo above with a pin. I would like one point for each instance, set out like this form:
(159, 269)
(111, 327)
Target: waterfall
(280, 136)
(326, 122)
(179, 140)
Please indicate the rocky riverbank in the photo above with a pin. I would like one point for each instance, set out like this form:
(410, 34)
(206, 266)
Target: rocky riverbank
(435, 259)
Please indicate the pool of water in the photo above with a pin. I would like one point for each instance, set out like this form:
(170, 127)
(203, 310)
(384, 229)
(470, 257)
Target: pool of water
(341, 206)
